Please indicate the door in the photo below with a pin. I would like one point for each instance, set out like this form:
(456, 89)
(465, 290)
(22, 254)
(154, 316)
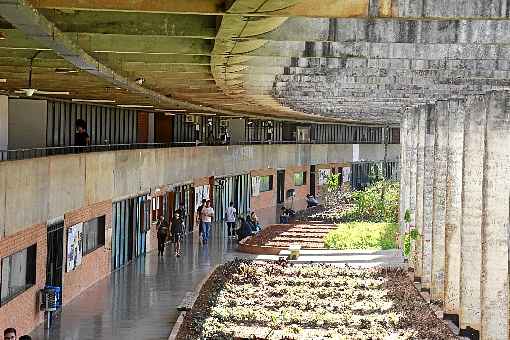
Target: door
(54, 264)
(280, 186)
(312, 179)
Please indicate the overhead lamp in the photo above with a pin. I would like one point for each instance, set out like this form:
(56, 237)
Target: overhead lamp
(3, 80)
(169, 114)
(170, 110)
(126, 106)
(2, 36)
(93, 100)
(62, 70)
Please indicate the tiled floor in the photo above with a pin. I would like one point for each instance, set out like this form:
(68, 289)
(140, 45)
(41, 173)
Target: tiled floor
(139, 300)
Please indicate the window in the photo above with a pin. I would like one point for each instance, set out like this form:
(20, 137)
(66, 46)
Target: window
(266, 183)
(299, 178)
(93, 234)
(18, 273)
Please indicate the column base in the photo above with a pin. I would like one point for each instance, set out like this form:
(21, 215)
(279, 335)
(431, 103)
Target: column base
(470, 333)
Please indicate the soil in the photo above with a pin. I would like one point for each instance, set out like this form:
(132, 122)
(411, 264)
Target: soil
(281, 236)
(417, 316)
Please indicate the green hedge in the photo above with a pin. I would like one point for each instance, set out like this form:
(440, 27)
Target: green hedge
(362, 235)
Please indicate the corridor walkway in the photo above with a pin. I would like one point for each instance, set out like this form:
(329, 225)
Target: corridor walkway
(139, 300)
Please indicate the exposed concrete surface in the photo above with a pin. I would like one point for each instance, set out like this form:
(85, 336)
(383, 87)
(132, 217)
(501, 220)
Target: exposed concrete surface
(57, 184)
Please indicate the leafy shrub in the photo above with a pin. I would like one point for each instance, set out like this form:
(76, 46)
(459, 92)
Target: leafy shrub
(377, 203)
(362, 235)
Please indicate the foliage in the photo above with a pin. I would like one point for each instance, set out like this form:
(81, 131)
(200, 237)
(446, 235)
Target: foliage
(377, 203)
(362, 235)
(333, 182)
(407, 216)
(412, 235)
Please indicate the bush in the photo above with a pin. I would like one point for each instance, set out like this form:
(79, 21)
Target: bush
(362, 235)
(377, 203)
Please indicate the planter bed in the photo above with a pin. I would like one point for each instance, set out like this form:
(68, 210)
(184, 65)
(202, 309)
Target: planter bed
(277, 300)
(275, 238)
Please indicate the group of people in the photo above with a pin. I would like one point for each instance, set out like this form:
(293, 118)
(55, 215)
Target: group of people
(247, 226)
(10, 334)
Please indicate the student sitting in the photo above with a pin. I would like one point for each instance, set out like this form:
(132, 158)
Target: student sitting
(244, 230)
(255, 222)
(311, 201)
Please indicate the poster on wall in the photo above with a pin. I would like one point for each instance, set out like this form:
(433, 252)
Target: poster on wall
(346, 174)
(323, 176)
(74, 246)
(255, 186)
(201, 192)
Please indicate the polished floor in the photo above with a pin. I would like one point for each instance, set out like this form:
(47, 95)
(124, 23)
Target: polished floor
(139, 300)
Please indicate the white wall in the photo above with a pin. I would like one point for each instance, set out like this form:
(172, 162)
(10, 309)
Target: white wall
(375, 152)
(27, 123)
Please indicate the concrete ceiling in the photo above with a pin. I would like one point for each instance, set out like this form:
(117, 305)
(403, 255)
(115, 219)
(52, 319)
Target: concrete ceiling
(322, 60)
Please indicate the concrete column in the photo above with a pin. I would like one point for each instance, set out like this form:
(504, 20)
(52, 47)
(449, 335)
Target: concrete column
(411, 179)
(4, 122)
(471, 225)
(420, 174)
(495, 219)
(453, 207)
(439, 201)
(404, 171)
(428, 190)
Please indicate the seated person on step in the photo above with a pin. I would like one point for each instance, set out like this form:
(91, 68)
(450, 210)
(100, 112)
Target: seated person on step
(311, 201)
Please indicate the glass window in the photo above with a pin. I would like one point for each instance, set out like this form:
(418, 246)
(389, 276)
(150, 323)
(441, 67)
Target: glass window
(93, 234)
(299, 178)
(266, 183)
(18, 273)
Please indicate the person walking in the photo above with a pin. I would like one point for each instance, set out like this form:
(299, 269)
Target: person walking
(183, 215)
(177, 230)
(230, 217)
(199, 220)
(207, 216)
(163, 229)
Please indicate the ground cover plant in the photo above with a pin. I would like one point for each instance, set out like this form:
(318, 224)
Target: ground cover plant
(279, 300)
(363, 235)
(282, 236)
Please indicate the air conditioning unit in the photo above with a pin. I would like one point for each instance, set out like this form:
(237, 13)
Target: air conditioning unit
(190, 119)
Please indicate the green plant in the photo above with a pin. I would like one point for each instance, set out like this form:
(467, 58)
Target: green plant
(407, 216)
(362, 235)
(412, 235)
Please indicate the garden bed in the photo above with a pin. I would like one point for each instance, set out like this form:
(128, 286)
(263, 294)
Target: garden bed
(363, 235)
(278, 300)
(274, 238)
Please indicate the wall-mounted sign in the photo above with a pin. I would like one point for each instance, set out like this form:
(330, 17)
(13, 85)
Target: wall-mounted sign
(255, 186)
(74, 246)
(346, 174)
(323, 176)
(201, 193)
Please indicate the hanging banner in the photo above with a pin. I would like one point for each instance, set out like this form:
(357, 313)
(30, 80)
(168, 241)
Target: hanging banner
(74, 246)
(201, 193)
(255, 186)
(323, 176)
(346, 174)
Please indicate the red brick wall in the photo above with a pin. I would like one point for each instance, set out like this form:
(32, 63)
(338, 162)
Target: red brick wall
(22, 312)
(264, 204)
(95, 265)
(301, 191)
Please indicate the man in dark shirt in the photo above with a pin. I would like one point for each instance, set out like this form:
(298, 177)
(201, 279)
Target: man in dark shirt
(81, 137)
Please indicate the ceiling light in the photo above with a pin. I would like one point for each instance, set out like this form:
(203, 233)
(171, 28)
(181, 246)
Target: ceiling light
(3, 80)
(169, 114)
(169, 110)
(136, 106)
(93, 100)
(62, 70)
(2, 36)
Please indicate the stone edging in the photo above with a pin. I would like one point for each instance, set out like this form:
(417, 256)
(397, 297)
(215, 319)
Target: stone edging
(178, 324)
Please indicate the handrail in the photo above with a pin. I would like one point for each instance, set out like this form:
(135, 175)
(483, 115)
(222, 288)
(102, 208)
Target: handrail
(27, 153)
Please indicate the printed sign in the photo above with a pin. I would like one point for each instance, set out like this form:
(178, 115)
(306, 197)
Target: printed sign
(255, 186)
(346, 174)
(323, 176)
(74, 246)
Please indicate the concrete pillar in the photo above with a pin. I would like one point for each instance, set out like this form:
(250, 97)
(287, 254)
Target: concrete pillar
(495, 219)
(420, 174)
(404, 171)
(4, 122)
(439, 201)
(411, 179)
(428, 189)
(453, 216)
(471, 225)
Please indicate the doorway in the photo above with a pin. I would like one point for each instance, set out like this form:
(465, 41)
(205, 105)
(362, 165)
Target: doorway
(54, 265)
(312, 180)
(280, 186)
